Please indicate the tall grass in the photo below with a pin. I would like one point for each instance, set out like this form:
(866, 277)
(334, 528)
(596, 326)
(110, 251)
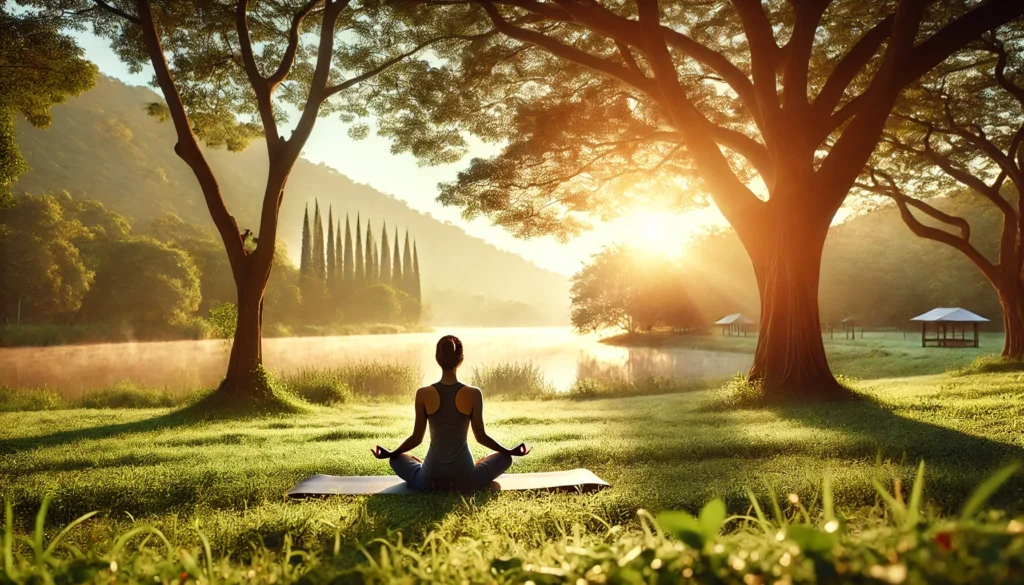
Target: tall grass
(782, 540)
(512, 380)
(325, 387)
(363, 379)
(124, 394)
(592, 388)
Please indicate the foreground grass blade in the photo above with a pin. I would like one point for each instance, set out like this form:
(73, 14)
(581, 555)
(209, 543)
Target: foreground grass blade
(986, 489)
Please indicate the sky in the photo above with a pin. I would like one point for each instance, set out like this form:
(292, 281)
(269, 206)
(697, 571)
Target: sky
(370, 161)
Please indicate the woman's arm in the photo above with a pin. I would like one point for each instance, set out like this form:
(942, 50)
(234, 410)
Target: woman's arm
(418, 428)
(477, 422)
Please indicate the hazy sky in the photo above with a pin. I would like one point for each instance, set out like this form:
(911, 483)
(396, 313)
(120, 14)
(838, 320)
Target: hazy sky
(370, 161)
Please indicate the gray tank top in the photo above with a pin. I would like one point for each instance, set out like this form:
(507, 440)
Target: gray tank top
(448, 456)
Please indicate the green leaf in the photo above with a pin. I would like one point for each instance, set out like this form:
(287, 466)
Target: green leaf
(986, 489)
(683, 526)
(810, 539)
(757, 510)
(712, 516)
(916, 493)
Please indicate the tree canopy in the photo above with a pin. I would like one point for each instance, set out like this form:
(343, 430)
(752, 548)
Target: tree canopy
(39, 66)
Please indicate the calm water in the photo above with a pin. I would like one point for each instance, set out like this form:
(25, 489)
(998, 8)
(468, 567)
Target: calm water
(186, 365)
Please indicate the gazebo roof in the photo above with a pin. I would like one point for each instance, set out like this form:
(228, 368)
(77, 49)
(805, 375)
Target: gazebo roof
(950, 315)
(849, 319)
(734, 319)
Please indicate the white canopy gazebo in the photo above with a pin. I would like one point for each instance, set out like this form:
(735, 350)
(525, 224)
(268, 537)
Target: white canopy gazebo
(946, 323)
(734, 325)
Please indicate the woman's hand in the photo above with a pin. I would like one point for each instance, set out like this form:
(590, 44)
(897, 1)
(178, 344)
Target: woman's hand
(380, 452)
(520, 450)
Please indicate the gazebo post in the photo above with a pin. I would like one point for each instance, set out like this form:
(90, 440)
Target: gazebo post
(975, 335)
(924, 326)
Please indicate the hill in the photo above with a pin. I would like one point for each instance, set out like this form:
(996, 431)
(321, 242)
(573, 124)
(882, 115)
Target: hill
(104, 146)
(873, 268)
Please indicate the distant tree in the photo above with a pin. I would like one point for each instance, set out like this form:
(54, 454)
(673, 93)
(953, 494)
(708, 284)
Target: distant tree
(339, 262)
(408, 275)
(768, 108)
(43, 270)
(416, 293)
(330, 250)
(41, 66)
(960, 127)
(385, 256)
(396, 267)
(360, 279)
(219, 88)
(306, 259)
(350, 263)
(144, 283)
(625, 289)
(376, 264)
(371, 266)
(319, 253)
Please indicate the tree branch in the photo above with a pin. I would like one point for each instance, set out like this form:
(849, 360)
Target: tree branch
(288, 59)
(763, 52)
(188, 148)
(849, 66)
(798, 54)
(116, 11)
(259, 84)
(328, 92)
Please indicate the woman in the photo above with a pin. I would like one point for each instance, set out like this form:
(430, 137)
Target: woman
(450, 408)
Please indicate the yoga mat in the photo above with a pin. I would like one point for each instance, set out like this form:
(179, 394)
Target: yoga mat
(582, 480)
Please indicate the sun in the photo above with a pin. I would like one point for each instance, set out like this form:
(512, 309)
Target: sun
(664, 233)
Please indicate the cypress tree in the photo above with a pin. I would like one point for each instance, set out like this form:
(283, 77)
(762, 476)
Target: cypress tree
(385, 256)
(305, 262)
(407, 273)
(339, 265)
(396, 267)
(360, 280)
(330, 249)
(349, 277)
(371, 270)
(318, 246)
(416, 274)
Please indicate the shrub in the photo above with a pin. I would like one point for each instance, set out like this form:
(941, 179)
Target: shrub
(126, 394)
(12, 400)
(223, 319)
(319, 386)
(512, 380)
(736, 394)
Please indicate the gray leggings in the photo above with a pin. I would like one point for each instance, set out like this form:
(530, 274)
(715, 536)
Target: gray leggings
(484, 472)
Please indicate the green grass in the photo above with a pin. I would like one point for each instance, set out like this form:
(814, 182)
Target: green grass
(880, 355)
(225, 478)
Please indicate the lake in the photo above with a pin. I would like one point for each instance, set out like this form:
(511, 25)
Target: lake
(186, 365)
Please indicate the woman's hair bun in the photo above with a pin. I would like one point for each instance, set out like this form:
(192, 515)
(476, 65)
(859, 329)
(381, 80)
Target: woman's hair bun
(449, 352)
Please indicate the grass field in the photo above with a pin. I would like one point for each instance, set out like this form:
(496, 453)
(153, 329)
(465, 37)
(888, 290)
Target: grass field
(225, 478)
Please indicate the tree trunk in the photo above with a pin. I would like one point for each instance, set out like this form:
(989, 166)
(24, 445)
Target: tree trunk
(1011, 299)
(790, 361)
(244, 382)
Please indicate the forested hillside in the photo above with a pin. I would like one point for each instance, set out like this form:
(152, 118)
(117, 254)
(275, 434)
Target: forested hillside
(104, 146)
(873, 268)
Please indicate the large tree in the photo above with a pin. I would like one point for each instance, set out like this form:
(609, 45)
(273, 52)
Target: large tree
(39, 66)
(770, 109)
(960, 129)
(230, 72)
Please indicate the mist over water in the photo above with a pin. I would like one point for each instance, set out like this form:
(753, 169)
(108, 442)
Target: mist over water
(187, 365)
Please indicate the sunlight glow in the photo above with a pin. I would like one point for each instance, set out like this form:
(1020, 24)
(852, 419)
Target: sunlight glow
(661, 232)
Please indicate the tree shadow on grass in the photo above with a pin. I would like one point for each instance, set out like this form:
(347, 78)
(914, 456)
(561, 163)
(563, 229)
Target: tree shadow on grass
(194, 414)
(956, 462)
